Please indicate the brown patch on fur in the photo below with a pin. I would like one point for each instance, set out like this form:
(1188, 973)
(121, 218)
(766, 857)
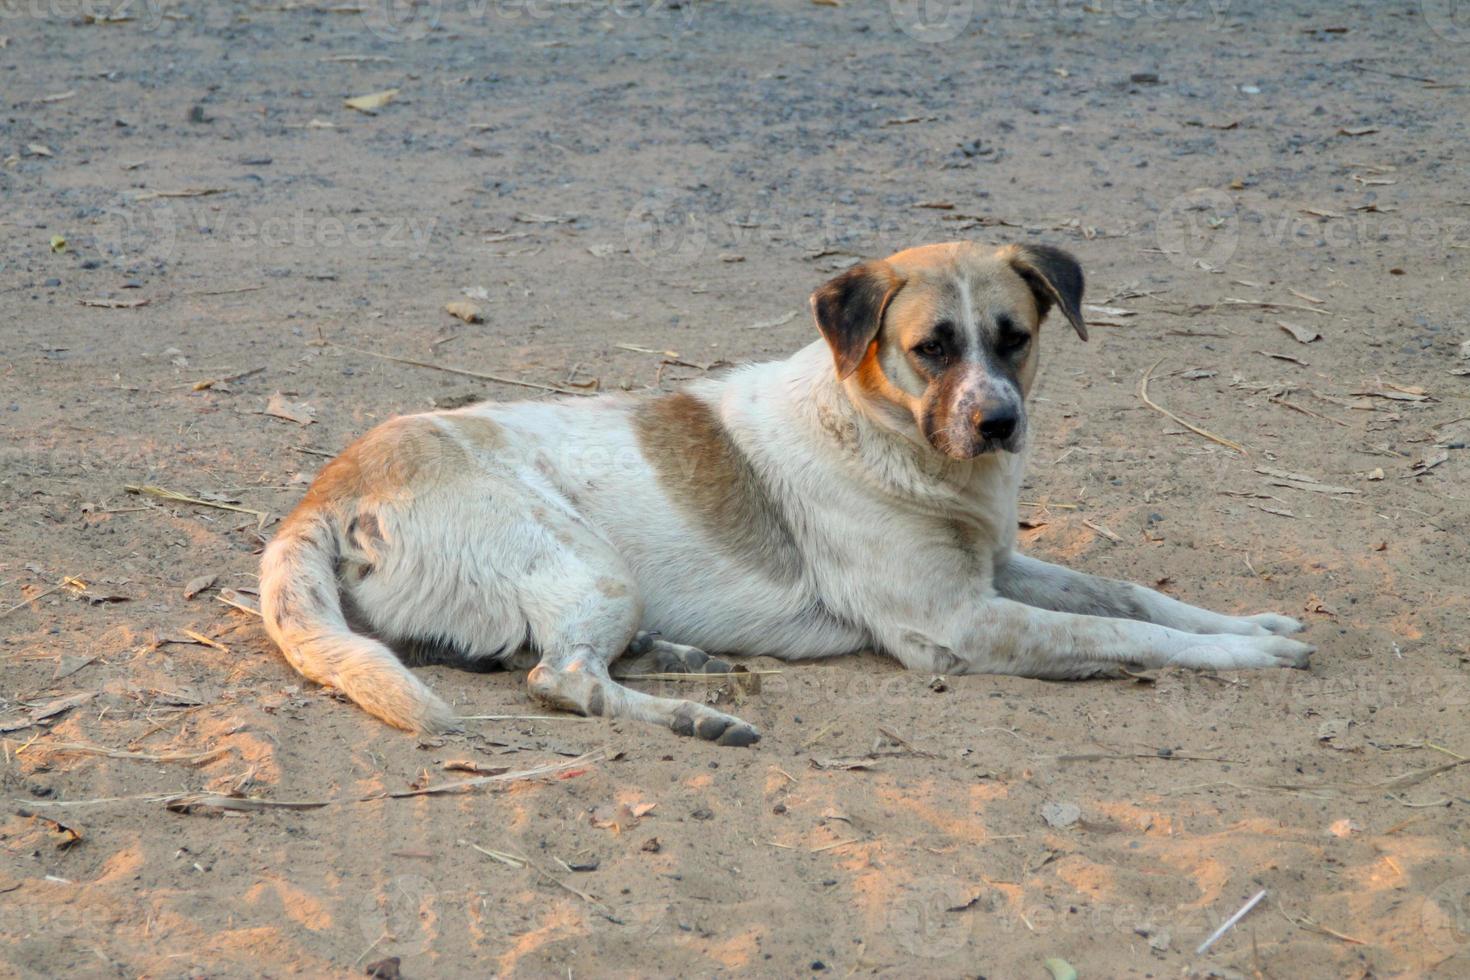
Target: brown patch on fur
(707, 476)
(611, 587)
(482, 433)
(396, 456)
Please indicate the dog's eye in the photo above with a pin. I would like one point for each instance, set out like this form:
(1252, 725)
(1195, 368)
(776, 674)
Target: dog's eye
(929, 349)
(1010, 343)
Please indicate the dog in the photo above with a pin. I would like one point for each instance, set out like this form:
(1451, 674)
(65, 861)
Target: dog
(861, 494)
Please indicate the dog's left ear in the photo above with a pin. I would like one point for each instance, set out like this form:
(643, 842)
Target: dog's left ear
(849, 311)
(1055, 279)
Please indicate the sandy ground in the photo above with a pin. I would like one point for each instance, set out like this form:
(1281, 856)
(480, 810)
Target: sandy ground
(609, 176)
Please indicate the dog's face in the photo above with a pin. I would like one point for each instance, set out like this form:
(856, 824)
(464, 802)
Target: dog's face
(941, 340)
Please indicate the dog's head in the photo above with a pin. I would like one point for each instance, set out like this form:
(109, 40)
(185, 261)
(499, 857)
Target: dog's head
(940, 341)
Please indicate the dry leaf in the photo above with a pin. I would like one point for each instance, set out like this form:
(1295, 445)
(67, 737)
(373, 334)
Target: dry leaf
(38, 150)
(1342, 828)
(115, 304)
(301, 414)
(620, 817)
(371, 102)
(469, 765)
(58, 243)
(861, 765)
(198, 584)
(532, 218)
(1302, 335)
(1376, 473)
(1107, 311)
(1432, 460)
(1356, 130)
(466, 311)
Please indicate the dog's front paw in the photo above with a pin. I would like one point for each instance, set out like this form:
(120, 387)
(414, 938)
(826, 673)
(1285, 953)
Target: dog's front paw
(1279, 625)
(1236, 652)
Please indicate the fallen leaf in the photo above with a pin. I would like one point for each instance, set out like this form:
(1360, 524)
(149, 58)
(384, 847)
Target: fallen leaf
(58, 97)
(621, 816)
(1376, 473)
(1356, 130)
(1060, 969)
(198, 584)
(469, 765)
(532, 218)
(1108, 311)
(468, 312)
(372, 102)
(300, 413)
(1302, 335)
(45, 712)
(1197, 374)
(58, 243)
(115, 304)
(1342, 828)
(39, 150)
(859, 765)
(1430, 461)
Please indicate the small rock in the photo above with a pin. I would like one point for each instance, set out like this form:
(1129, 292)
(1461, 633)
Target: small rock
(703, 813)
(1061, 814)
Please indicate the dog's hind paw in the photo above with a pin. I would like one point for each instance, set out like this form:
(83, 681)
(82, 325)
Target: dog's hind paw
(1279, 625)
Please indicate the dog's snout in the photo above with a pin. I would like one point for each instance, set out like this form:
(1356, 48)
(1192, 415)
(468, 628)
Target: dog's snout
(999, 424)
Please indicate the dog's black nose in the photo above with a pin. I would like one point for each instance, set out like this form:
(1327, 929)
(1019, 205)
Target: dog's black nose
(998, 425)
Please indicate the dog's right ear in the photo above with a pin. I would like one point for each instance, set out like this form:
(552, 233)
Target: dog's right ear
(849, 311)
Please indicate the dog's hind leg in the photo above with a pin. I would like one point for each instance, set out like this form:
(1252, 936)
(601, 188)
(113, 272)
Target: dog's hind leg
(648, 653)
(583, 611)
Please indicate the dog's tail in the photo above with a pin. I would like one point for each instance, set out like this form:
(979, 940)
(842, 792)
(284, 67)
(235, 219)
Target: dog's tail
(302, 608)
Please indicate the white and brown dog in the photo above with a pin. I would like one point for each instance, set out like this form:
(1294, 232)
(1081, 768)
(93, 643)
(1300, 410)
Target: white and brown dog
(786, 509)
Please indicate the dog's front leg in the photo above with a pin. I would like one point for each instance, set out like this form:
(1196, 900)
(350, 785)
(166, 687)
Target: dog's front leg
(1046, 586)
(999, 636)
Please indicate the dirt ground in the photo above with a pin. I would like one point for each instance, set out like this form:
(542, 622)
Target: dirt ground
(187, 200)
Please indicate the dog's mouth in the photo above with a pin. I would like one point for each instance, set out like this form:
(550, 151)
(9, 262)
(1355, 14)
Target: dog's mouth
(972, 448)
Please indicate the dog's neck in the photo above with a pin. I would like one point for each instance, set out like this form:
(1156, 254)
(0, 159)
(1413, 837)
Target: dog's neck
(883, 450)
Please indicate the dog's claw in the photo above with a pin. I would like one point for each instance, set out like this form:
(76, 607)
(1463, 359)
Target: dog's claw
(1278, 625)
